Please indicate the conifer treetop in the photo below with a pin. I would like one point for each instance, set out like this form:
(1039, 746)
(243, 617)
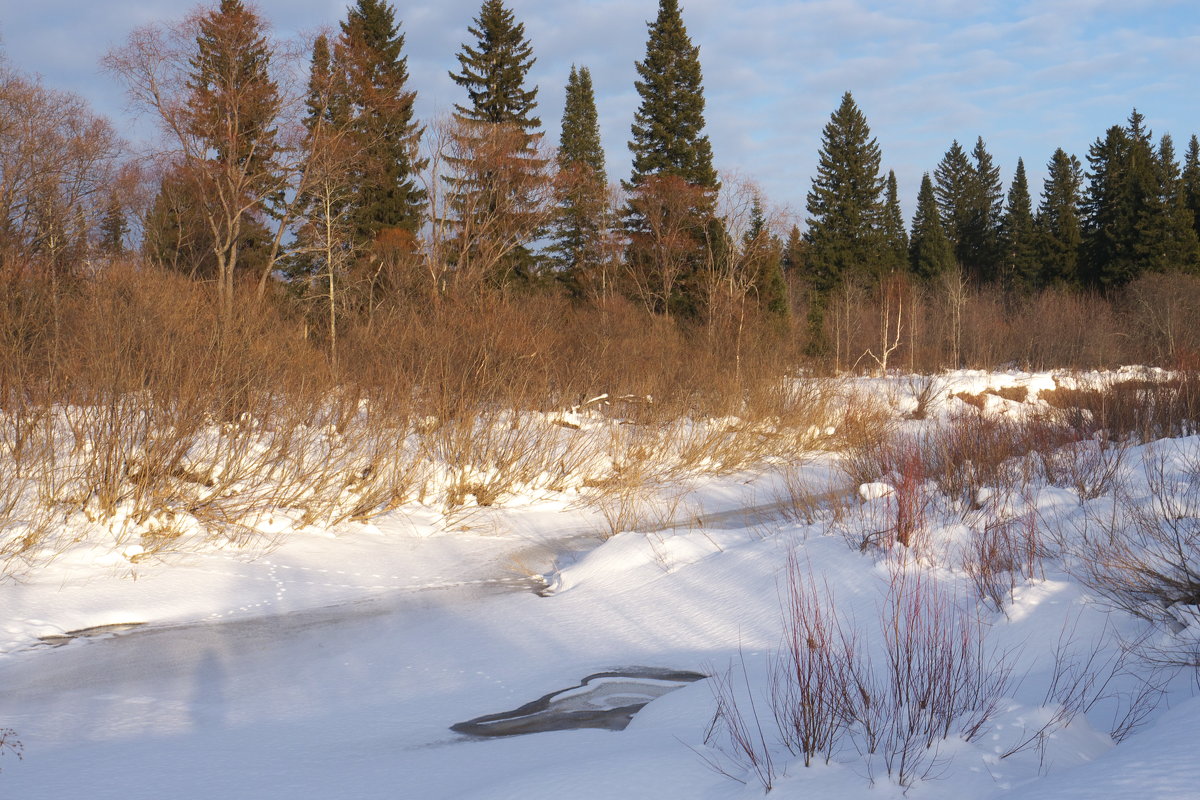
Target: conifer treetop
(1019, 202)
(579, 143)
(230, 81)
(895, 237)
(668, 126)
(951, 181)
(929, 250)
(493, 72)
(845, 212)
(375, 22)
(582, 189)
(1190, 180)
(318, 96)
(374, 97)
(1058, 221)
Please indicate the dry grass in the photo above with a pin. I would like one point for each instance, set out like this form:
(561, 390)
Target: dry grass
(120, 405)
(1143, 409)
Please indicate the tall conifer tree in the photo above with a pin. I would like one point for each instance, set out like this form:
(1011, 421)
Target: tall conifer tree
(325, 121)
(493, 190)
(582, 188)
(1169, 241)
(895, 238)
(113, 229)
(493, 71)
(1058, 223)
(929, 251)
(379, 109)
(233, 101)
(761, 252)
(232, 107)
(978, 246)
(793, 251)
(952, 187)
(325, 96)
(1018, 256)
(844, 202)
(845, 213)
(1190, 181)
(1108, 212)
(673, 233)
(668, 126)
(1121, 236)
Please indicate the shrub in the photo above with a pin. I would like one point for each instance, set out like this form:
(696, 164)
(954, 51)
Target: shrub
(933, 677)
(1144, 558)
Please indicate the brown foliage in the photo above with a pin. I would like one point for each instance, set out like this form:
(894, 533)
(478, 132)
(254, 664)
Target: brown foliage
(57, 159)
(667, 245)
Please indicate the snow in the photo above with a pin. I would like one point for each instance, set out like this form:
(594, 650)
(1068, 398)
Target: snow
(334, 664)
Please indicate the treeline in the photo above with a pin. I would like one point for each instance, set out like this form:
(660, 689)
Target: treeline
(1133, 211)
(312, 190)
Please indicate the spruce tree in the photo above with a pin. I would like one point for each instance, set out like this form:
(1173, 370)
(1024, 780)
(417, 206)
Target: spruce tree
(233, 101)
(1058, 222)
(579, 143)
(1107, 212)
(582, 188)
(379, 112)
(325, 106)
(844, 213)
(499, 173)
(233, 182)
(331, 235)
(668, 126)
(1143, 174)
(978, 245)
(673, 233)
(895, 238)
(763, 258)
(952, 187)
(929, 251)
(1168, 238)
(1190, 181)
(325, 95)
(113, 229)
(1018, 258)
(494, 70)
(1122, 206)
(844, 204)
(793, 251)
(176, 234)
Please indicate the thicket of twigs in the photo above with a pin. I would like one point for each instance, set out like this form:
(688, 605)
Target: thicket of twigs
(891, 703)
(123, 402)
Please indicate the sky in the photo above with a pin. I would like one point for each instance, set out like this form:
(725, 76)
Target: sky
(1026, 76)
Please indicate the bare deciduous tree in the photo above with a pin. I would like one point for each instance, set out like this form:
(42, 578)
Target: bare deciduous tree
(666, 248)
(229, 128)
(57, 158)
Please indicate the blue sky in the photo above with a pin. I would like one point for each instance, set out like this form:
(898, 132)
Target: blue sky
(1027, 76)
